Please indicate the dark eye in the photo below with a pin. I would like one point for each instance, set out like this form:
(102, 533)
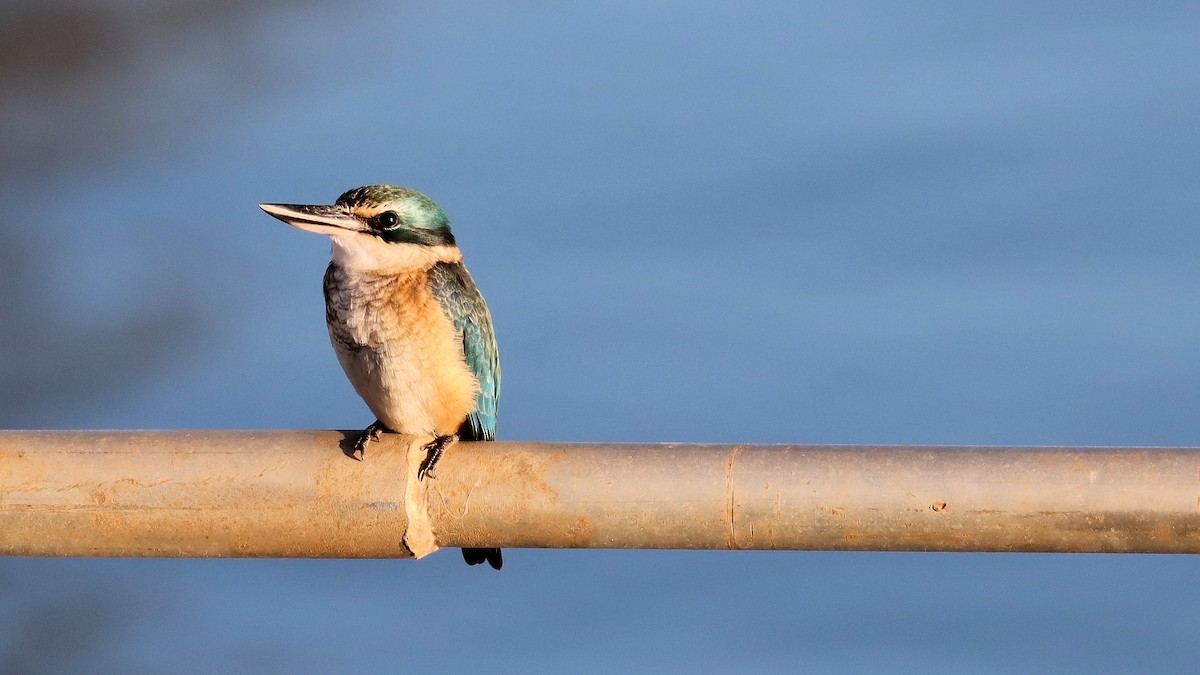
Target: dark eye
(388, 220)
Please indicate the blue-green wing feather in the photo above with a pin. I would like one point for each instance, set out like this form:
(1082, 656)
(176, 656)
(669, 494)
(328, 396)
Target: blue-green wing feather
(464, 306)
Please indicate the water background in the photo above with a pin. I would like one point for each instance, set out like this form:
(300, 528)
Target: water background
(850, 222)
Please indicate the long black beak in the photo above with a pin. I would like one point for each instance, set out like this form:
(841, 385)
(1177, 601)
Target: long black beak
(319, 219)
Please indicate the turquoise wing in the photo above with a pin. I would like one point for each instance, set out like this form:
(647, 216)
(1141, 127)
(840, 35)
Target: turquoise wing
(454, 288)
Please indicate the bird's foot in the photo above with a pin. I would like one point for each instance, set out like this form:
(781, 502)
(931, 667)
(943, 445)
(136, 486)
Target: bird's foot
(434, 450)
(369, 434)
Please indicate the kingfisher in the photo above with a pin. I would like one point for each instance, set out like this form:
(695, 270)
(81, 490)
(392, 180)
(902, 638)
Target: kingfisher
(407, 322)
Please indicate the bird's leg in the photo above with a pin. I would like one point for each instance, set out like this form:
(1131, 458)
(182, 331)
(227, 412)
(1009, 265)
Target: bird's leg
(434, 450)
(369, 434)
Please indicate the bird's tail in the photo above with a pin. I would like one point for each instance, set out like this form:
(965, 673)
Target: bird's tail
(491, 556)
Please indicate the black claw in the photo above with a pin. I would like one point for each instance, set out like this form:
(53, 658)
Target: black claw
(434, 450)
(369, 434)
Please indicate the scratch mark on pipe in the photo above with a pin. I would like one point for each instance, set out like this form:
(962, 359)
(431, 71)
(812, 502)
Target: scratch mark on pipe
(731, 497)
(466, 509)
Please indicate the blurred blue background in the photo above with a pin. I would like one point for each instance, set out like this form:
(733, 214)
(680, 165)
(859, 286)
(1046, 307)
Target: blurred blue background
(850, 222)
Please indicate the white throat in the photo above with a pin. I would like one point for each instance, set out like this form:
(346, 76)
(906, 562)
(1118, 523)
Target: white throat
(367, 253)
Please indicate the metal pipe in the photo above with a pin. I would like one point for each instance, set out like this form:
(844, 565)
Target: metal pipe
(244, 494)
(295, 494)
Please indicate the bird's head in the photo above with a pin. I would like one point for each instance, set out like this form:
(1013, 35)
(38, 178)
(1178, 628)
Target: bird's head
(378, 228)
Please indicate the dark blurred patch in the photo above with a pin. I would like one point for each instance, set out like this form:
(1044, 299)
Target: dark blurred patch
(45, 47)
(80, 81)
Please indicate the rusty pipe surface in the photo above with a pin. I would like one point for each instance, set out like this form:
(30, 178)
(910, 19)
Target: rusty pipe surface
(295, 494)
